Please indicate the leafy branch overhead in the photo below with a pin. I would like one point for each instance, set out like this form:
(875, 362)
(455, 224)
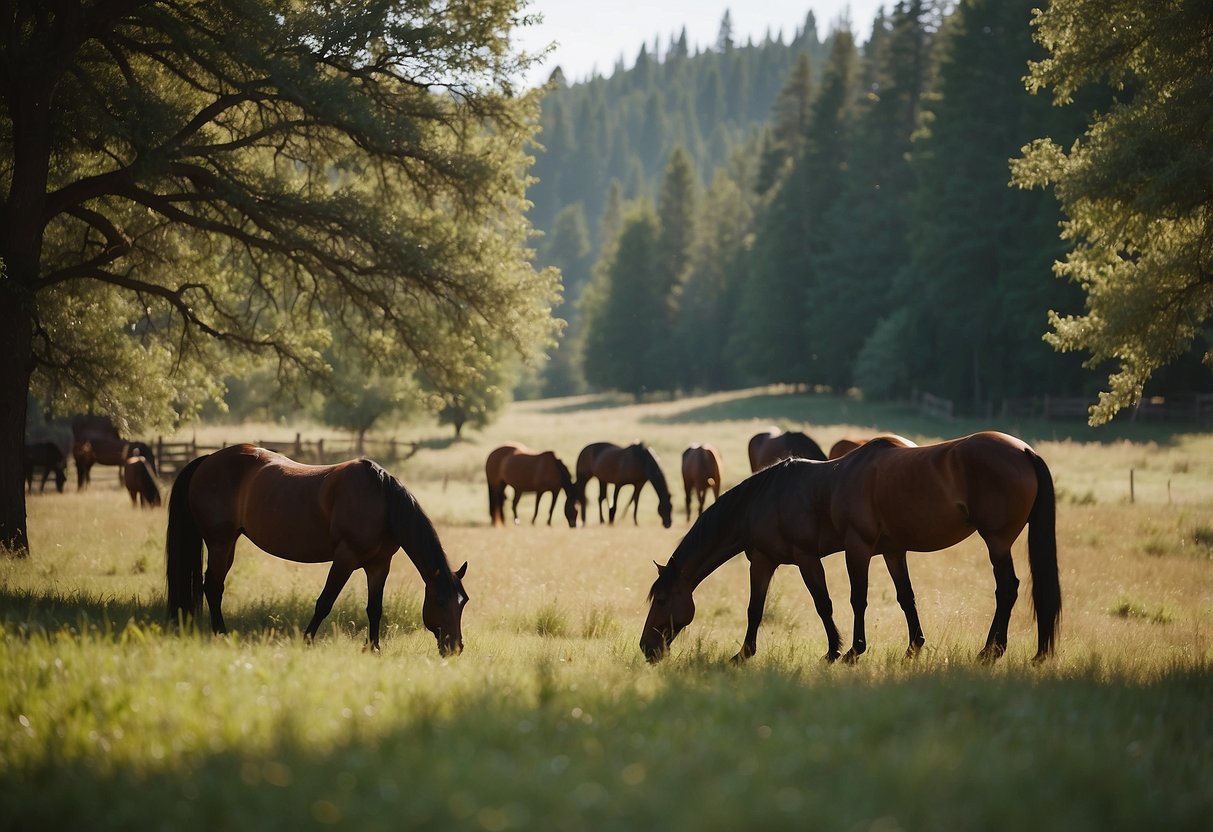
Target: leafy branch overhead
(267, 174)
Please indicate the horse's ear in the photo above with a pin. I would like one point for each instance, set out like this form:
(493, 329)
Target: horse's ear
(660, 568)
(461, 571)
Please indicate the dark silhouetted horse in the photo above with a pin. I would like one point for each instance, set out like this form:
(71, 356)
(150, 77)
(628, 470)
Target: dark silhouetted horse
(878, 499)
(526, 470)
(634, 465)
(354, 514)
(771, 446)
(140, 483)
(95, 440)
(49, 457)
(701, 467)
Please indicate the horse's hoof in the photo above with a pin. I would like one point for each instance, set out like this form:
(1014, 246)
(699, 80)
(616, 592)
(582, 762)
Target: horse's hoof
(1040, 658)
(990, 654)
(851, 657)
(912, 651)
(740, 659)
(831, 657)
(371, 648)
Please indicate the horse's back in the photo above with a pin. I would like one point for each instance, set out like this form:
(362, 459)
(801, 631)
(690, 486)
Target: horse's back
(494, 465)
(931, 497)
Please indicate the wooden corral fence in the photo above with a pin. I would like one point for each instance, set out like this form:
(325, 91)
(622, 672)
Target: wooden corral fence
(171, 457)
(1197, 410)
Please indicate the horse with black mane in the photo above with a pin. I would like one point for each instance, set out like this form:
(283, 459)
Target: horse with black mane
(881, 498)
(140, 483)
(849, 443)
(49, 457)
(524, 470)
(354, 514)
(770, 446)
(634, 465)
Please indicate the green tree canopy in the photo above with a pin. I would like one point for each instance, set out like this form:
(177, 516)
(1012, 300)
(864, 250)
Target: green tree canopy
(257, 175)
(1137, 188)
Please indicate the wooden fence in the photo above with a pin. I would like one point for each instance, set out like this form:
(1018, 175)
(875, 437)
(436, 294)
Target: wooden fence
(171, 457)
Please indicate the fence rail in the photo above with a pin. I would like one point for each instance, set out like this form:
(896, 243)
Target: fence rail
(171, 457)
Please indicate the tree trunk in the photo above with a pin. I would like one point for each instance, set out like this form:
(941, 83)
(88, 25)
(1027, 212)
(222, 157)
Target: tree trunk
(15, 344)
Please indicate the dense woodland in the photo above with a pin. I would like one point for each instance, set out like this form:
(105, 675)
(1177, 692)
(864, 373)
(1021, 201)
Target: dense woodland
(814, 210)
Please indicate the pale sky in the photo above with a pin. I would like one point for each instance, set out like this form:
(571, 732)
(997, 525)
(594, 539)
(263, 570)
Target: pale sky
(592, 34)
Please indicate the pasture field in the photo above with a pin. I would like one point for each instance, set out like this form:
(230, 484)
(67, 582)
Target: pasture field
(551, 719)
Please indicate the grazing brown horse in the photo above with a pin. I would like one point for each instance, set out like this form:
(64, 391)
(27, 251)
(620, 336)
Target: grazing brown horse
(845, 445)
(525, 470)
(354, 514)
(140, 483)
(634, 465)
(878, 499)
(49, 457)
(771, 446)
(701, 468)
(95, 440)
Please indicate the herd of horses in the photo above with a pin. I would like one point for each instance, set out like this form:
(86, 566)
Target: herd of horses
(95, 441)
(882, 495)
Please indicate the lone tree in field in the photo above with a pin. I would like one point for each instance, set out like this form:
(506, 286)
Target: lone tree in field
(1137, 188)
(180, 179)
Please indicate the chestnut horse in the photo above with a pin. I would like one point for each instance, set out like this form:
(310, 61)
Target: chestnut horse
(49, 457)
(634, 465)
(107, 450)
(701, 468)
(354, 514)
(771, 446)
(140, 483)
(845, 445)
(525, 470)
(878, 499)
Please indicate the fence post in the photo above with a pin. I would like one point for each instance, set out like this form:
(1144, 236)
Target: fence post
(320, 451)
(298, 446)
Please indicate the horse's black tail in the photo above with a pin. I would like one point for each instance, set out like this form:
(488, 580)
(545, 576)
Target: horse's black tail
(1042, 558)
(151, 492)
(496, 504)
(183, 551)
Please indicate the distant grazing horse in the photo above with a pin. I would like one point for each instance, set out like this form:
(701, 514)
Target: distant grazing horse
(634, 465)
(140, 483)
(354, 514)
(95, 440)
(701, 468)
(49, 457)
(878, 499)
(770, 446)
(845, 445)
(525, 470)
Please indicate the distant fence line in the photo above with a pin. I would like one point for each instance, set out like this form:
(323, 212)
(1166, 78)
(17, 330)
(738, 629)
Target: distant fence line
(1197, 410)
(171, 457)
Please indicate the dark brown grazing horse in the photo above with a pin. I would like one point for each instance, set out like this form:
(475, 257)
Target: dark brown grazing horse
(701, 466)
(525, 470)
(634, 465)
(140, 483)
(847, 444)
(771, 446)
(878, 499)
(95, 440)
(354, 514)
(49, 457)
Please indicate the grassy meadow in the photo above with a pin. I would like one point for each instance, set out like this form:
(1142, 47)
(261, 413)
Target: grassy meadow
(551, 718)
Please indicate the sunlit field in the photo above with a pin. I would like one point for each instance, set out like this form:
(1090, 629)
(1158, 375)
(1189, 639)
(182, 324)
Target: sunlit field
(552, 719)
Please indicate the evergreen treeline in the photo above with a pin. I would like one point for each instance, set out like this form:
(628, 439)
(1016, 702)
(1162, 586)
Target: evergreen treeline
(814, 212)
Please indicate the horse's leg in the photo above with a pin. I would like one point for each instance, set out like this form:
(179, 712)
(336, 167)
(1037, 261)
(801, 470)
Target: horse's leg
(220, 552)
(703, 495)
(45, 474)
(339, 573)
(602, 490)
(900, 573)
(761, 570)
(814, 576)
(635, 503)
(687, 486)
(535, 516)
(859, 558)
(376, 578)
(1006, 591)
(514, 504)
(615, 503)
(551, 508)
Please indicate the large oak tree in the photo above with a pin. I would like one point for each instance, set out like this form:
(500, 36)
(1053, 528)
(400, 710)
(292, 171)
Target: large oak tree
(181, 179)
